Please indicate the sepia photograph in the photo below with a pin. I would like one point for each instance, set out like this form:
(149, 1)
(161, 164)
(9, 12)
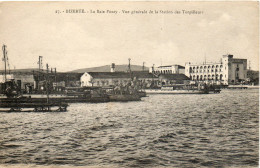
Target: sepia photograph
(129, 84)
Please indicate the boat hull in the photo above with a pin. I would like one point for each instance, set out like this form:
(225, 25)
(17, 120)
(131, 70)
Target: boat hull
(124, 98)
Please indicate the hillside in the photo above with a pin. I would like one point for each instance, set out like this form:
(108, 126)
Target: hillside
(106, 68)
(29, 70)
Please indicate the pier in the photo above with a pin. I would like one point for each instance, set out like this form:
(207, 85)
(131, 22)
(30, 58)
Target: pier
(36, 107)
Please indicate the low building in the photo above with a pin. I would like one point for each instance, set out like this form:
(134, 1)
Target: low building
(170, 69)
(144, 79)
(229, 71)
(114, 78)
(104, 78)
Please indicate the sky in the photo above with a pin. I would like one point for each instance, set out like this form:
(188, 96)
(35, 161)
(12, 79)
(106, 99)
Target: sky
(70, 41)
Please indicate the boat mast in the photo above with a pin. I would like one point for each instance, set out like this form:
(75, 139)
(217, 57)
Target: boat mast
(4, 54)
(129, 67)
(47, 83)
(40, 65)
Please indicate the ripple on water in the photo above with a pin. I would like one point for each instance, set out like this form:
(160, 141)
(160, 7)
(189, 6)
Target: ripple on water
(216, 130)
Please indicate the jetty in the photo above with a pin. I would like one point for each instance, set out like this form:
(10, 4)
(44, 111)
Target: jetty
(36, 107)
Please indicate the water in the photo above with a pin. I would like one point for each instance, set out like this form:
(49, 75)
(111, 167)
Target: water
(214, 130)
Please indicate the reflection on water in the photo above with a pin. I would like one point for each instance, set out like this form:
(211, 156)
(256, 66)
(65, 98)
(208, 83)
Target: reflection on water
(215, 130)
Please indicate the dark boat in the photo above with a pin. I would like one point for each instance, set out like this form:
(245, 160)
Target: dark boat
(142, 93)
(117, 93)
(124, 97)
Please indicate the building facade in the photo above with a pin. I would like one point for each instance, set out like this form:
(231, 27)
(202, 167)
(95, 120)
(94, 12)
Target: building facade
(114, 78)
(170, 69)
(143, 79)
(229, 71)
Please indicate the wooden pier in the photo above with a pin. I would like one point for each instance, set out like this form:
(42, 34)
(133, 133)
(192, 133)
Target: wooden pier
(36, 107)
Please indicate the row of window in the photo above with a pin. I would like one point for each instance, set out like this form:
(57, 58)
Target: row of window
(212, 70)
(207, 77)
(209, 66)
(164, 71)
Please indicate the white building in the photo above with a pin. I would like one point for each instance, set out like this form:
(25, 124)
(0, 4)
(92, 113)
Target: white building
(170, 69)
(114, 78)
(229, 71)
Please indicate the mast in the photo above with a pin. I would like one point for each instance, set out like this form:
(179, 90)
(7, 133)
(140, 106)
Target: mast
(47, 83)
(129, 67)
(55, 78)
(4, 54)
(40, 65)
(143, 65)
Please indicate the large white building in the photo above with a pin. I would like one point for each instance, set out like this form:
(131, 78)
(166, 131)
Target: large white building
(229, 71)
(169, 69)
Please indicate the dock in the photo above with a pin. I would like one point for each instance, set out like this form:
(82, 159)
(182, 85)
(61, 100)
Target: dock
(36, 107)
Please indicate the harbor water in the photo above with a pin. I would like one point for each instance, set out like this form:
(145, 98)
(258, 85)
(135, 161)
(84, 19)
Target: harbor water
(211, 130)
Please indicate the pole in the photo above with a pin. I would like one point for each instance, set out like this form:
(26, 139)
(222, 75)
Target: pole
(143, 65)
(4, 54)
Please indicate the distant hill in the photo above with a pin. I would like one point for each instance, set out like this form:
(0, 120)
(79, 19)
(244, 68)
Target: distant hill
(29, 70)
(106, 68)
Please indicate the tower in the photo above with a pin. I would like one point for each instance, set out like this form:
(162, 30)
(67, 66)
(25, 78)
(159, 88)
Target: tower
(112, 67)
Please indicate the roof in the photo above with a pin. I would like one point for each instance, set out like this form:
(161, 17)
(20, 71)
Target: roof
(143, 74)
(138, 74)
(174, 77)
(109, 74)
(179, 66)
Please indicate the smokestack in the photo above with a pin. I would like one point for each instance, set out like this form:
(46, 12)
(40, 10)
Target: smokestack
(113, 66)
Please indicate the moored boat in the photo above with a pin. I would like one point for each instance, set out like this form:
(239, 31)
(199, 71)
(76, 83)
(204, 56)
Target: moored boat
(126, 97)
